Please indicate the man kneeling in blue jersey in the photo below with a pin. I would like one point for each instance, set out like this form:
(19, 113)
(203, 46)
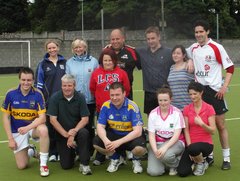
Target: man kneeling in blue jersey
(120, 128)
(24, 117)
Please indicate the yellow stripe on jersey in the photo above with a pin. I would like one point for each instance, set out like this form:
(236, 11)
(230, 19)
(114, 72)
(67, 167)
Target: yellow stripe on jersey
(24, 114)
(41, 110)
(106, 104)
(120, 126)
(4, 110)
(133, 106)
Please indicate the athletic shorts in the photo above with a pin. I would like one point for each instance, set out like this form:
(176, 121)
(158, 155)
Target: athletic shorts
(219, 106)
(22, 140)
(140, 141)
(150, 102)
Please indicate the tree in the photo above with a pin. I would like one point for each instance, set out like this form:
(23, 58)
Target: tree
(13, 16)
(56, 15)
(53, 15)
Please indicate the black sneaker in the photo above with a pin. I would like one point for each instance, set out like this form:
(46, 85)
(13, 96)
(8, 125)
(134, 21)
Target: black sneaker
(226, 165)
(210, 161)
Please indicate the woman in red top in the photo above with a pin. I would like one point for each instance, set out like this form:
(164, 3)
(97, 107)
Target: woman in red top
(200, 125)
(107, 73)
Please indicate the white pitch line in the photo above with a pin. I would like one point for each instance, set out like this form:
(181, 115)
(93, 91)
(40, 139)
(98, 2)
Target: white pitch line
(230, 119)
(4, 141)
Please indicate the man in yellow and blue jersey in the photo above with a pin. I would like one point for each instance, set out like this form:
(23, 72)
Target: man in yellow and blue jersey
(24, 117)
(120, 128)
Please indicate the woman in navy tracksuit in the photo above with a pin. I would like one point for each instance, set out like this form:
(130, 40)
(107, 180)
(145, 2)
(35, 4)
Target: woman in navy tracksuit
(48, 79)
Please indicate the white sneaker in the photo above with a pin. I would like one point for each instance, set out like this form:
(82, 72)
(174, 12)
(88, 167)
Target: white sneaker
(200, 168)
(113, 165)
(137, 167)
(85, 169)
(129, 155)
(52, 158)
(172, 171)
(44, 171)
(122, 161)
(97, 163)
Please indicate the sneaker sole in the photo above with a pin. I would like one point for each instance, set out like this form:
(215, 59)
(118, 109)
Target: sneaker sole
(137, 172)
(44, 175)
(226, 168)
(87, 173)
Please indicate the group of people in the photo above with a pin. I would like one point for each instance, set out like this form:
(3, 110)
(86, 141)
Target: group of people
(183, 100)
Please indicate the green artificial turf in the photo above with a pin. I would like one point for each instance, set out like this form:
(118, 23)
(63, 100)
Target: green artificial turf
(9, 172)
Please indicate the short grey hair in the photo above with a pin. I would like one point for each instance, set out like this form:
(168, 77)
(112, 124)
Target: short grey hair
(68, 78)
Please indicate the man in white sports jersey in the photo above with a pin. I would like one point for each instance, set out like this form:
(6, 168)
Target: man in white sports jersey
(209, 58)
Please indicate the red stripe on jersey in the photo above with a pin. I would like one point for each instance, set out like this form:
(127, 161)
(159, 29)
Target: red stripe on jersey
(216, 52)
(195, 48)
(132, 51)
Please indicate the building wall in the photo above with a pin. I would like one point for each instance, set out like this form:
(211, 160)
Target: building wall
(15, 54)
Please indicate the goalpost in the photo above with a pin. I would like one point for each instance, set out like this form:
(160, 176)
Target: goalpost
(13, 51)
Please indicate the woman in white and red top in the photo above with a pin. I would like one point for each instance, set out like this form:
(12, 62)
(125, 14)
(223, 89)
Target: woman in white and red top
(107, 73)
(165, 125)
(200, 125)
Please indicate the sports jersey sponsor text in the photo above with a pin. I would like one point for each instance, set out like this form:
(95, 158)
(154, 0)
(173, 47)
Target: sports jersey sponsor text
(20, 114)
(120, 126)
(201, 74)
(164, 134)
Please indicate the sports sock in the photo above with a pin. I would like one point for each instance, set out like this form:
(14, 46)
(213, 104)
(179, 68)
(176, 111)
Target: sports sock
(210, 155)
(43, 159)
(115, 156)
(226, 154)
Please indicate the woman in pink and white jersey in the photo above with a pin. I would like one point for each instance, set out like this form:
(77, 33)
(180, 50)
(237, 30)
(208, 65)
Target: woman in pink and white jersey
(165, 124)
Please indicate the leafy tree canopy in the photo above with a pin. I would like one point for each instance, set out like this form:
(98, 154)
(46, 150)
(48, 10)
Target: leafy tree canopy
(179, 15)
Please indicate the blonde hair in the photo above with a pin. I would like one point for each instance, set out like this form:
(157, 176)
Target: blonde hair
(78, 41)
(51, 41)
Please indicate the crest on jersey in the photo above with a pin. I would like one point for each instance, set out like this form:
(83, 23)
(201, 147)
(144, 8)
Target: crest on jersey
(124, 117)
(62, 67)
(171, 125)
(206, 67)
(208, 58)
(125, 56)
(48, 69)
(32, 104)
(111, 116)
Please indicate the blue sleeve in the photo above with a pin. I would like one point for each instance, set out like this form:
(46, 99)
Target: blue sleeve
(102, 118)
(41, 102)
(7, 103)
(96, 63)
(136, 117)
(39, 82)
(68, 67)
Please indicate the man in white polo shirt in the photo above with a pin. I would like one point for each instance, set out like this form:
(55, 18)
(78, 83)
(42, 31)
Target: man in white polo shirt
(209, 57)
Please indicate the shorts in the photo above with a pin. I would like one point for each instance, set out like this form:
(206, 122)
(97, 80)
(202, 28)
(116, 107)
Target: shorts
(219, 106)
(140, 141)
(150, 102)
(22, 140)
